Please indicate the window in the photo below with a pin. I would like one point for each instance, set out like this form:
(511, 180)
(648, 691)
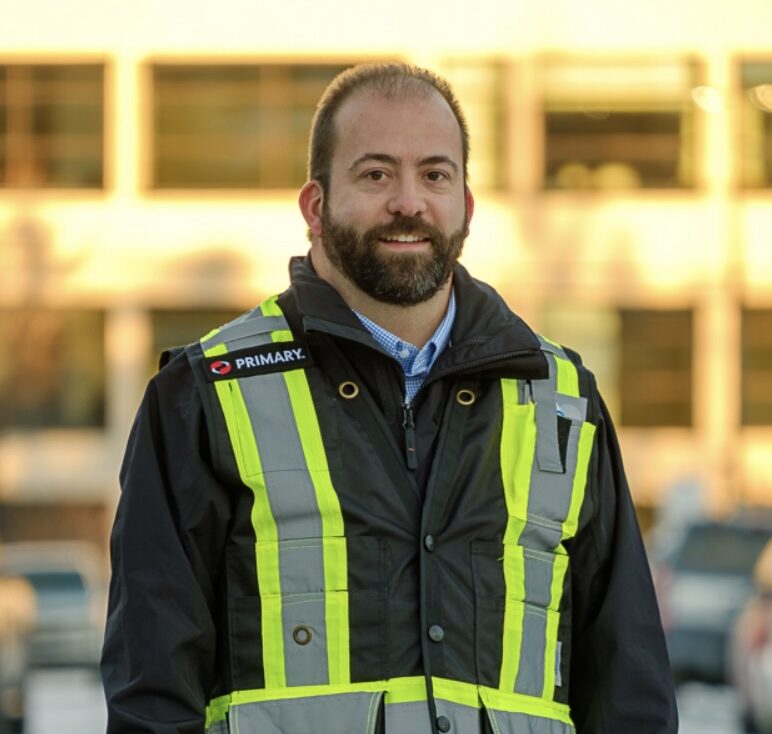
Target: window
(618, 125)
(51, 125)
(655, 368)
(756, 125)
(480, 88)
(228, 126)
(757, 367)
(177, 328)
(52, 368)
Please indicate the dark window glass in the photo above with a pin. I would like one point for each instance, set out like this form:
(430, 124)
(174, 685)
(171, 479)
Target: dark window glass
(177, 328)
(656, 368)
(722, 549)
(756, 121)
(757, 367)
(625, 126)
(234, 126)
(52, 125)
(52, 368)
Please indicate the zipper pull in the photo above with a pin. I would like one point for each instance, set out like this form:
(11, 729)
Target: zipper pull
(408, 423)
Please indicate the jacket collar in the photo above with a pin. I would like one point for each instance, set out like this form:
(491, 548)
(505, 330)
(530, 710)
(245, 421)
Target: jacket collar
(485, 331)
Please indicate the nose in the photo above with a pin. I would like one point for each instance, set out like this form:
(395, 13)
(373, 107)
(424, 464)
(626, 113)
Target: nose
(407, 199)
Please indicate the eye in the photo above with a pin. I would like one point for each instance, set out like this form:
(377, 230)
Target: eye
(437, 176)
(376, 175)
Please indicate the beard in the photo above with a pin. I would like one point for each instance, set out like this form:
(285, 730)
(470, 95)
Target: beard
(399, 278)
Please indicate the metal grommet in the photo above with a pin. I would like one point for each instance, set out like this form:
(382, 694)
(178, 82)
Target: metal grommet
(465, 397)
(302, 634)
(348, 390)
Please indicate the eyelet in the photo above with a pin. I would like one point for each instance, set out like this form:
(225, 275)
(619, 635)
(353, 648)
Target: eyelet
(302, 634)
(465, 397)
(348, 390)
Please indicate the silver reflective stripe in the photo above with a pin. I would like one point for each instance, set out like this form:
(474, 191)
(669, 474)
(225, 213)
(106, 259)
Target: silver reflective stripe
(238, 332)
(218, 727)
(505, 722)
(550, 495)
(345, 713)
(294, 507)
(547, 448)
(538, 568)
(530, 676)
(414, 717)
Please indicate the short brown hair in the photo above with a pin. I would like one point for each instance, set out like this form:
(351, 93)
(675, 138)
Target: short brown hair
(390, 80)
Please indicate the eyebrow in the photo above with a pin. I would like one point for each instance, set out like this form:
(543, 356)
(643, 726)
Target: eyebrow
(386, 158)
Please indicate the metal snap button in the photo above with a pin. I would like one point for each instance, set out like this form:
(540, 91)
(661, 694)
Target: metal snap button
(348, 390)
(302, 634)
(465, 397)
(429, 543)
(436, 633)
(443, 724)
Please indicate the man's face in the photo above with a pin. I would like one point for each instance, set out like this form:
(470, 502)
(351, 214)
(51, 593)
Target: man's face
(395, 217)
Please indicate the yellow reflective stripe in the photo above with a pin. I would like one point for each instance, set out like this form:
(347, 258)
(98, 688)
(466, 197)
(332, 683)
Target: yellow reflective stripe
(518, 444)
(283, 694)
(583, 452)
(405, 690)
(413, 689)
(217, 710)
(270, 307)
(266, 548)
(520, 704)
(333, 543)
(456, 691)
(567, 377)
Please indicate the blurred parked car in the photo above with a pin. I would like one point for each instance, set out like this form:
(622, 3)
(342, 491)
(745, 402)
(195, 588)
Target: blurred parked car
(750, 652)
(702, 584)
(69, 608)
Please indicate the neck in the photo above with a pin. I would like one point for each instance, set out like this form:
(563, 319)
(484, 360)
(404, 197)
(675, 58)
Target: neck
(413, 324)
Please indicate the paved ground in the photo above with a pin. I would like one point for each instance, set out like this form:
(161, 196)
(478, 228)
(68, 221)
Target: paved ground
(70, 702)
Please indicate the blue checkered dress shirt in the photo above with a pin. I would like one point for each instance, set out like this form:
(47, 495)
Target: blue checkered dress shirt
(415, 363)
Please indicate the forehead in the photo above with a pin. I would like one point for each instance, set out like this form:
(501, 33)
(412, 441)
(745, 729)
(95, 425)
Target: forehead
(416, 125)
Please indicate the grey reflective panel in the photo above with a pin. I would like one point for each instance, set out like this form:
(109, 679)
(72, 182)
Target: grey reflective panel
(530, 675)
(547, 447)
(504, 722)
(552, 348)
(542, 536)
(463, 719)
(538, 577)
(407, 717)
(550, 495)
(304, 665)
(301, 567)
(238, 332)
(218, 727)
(345, 713)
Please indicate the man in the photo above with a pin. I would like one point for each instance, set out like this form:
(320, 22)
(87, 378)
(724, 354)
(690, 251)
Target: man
(379, 502)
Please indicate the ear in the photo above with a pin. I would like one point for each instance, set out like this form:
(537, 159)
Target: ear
(311, 199)
(469, 199)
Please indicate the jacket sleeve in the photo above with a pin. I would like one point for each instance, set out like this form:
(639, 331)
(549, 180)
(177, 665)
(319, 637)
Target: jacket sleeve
(620, 672)
(166, 544)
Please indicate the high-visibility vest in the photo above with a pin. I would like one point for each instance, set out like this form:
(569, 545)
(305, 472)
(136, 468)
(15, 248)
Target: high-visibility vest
(259, 375)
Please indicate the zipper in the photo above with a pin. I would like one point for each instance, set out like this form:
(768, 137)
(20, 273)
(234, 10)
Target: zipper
(408, 424)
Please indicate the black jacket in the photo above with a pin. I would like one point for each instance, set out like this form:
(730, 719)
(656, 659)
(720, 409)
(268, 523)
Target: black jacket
(171, 644)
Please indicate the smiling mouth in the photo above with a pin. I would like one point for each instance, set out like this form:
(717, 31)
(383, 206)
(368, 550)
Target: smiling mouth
(404, 239)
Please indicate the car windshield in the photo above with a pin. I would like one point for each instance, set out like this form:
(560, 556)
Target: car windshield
(722, 549)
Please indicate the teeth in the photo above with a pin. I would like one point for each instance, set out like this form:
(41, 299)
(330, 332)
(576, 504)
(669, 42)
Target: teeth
(404, 238)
